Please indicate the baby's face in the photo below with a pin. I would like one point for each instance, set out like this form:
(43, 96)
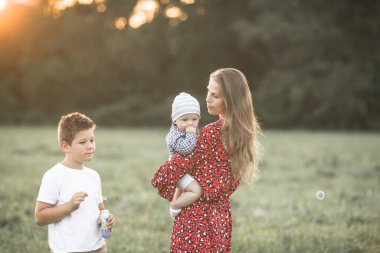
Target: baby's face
(191, 119)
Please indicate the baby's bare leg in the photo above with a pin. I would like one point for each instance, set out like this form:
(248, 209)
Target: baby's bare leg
(177, 193)
(190, 194)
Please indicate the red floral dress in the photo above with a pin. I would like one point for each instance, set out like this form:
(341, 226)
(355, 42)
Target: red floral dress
(206, 225)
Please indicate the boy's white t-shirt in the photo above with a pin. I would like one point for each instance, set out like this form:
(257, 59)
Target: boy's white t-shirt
(79, 231)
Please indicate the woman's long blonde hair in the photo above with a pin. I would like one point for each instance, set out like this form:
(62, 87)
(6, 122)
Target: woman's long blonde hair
(240, 128)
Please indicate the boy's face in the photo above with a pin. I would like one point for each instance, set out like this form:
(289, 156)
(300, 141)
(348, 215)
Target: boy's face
(82, 148)
(191, 119)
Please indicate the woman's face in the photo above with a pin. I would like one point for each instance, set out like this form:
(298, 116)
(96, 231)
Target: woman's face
(214, 99)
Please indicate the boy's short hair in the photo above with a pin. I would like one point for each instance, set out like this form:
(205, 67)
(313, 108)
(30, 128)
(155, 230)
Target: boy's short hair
(71, 124)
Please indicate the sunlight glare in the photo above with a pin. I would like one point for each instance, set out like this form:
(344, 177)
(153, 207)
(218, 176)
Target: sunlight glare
(69, 3)
(3, 4)
(148, 5)
(187, 1)
(120, 23)
(85, 2)
(175, 15)
(23, 1)
(101, 8)
(137, 20)
(59, 6)
(173, 12)
(143, 12)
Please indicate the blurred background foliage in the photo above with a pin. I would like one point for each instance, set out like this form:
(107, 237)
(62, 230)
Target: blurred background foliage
(310, 64)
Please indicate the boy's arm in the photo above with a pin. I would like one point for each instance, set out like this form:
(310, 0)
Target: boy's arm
(166, 177)
(46, 213)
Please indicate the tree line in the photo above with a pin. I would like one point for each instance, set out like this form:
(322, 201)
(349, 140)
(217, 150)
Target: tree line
(310, 64)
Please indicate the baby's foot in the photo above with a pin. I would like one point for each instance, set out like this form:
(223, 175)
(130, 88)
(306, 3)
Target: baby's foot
(174, 212)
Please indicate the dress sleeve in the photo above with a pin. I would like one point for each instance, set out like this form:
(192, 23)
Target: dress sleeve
(166, 177)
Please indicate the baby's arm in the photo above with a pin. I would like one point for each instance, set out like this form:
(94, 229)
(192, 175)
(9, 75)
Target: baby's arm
(46, 213)
(177, 193)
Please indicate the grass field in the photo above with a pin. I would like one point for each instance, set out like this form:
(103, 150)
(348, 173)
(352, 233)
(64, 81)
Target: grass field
(281, 213)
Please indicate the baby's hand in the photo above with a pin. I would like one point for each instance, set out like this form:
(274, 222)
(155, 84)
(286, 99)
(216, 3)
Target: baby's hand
(190, 129)
(77, 199)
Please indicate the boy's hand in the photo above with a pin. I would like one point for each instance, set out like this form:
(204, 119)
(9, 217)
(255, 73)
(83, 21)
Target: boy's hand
(190, 129)
(111, 221)
(77, 199)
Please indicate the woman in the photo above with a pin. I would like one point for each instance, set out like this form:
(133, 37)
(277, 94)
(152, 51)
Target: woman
(226, 153)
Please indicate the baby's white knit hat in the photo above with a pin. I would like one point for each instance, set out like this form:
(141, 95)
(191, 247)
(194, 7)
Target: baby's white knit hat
(183, 104)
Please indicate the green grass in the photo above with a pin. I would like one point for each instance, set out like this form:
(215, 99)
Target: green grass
(280, 213)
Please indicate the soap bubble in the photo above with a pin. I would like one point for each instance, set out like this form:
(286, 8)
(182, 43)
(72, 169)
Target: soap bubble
(320, 195)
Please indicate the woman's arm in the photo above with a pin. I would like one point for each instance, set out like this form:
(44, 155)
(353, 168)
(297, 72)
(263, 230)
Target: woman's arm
(166, 177)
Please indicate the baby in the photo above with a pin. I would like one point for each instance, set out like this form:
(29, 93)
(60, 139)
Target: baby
(183, 138)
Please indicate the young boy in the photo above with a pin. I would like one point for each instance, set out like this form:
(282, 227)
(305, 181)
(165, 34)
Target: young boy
(70, 195)
(182, 138)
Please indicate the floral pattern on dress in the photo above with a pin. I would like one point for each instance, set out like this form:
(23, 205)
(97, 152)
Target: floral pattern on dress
(206, 225)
